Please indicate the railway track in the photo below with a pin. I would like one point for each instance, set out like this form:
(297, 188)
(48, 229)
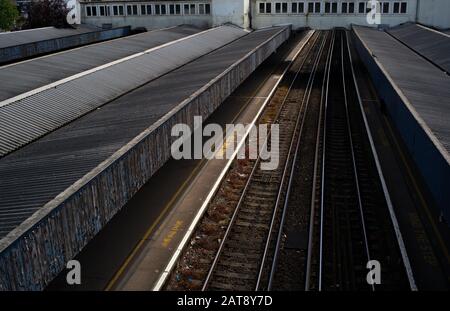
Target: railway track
(335, 216)
(353, 226)
(239, 262)
(315, 221)
(344, 246)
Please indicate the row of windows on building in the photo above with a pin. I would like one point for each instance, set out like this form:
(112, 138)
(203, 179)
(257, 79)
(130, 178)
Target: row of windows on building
(331, 7)
(148, 9)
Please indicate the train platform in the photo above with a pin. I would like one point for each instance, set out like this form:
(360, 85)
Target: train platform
(415, 94)
(18, 45)
(52, 189)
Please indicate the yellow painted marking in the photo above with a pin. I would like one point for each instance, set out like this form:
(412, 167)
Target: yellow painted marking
(150, 229)
(169, 237)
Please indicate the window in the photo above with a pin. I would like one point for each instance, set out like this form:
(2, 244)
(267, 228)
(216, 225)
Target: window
(207, 8)
(294, 7)
(171, 9)
(262, 8)
(351, 7)
(344, 8)
(160, 9)
(396, 7)
(301, 7)
(202, 8)
(362, 7)
(88, 11)
(277, 7)
(149, 9)
(317, 7)
(102, 10)
(297, 7)
(403, 7)
(132, 9)
(313, 7)
(143, 10)
(331, 7)
(94, 11)
(117, 10)
(189, 9)
(385, 7)
(265, 7)
(334, 7)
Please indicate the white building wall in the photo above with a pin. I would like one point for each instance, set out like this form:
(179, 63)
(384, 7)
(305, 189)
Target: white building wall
(323, 20)
(149, 21)
(434, 13)
(246, 12)
(230, 11)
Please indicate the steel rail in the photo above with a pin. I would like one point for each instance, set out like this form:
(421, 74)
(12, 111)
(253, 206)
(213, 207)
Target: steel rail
(242, 196)
(325, 85)
(355, 169)
(386, 194)
(304, 103)
(322, 182)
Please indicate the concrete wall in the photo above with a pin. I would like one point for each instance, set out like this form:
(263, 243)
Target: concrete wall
(230, 11)
(39, 248)
(434, 13)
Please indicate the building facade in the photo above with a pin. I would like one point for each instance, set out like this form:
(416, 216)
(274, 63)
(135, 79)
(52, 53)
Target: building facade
(318, 14)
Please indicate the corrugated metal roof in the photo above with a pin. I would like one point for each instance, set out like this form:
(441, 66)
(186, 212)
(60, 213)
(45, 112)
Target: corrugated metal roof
(14, 38)
(27, 119)
(431, 44)
(38, 172)
(424, 85)
(38, 72)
